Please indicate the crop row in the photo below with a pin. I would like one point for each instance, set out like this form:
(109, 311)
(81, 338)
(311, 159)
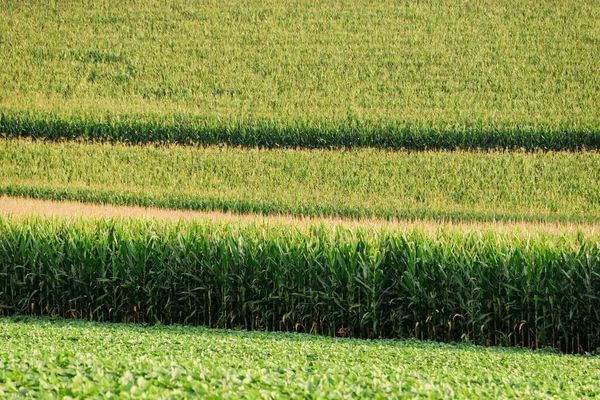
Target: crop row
(484, 287)
(358, 183)
(326, 134)
(433, 75)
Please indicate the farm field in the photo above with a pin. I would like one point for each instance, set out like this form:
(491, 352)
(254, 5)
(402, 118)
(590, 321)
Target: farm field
(483, 285)
(313, 199)
(439, 74)
(363, 183)
(45, 357)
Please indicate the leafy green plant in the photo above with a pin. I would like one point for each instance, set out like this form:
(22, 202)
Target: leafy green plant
(58, 358)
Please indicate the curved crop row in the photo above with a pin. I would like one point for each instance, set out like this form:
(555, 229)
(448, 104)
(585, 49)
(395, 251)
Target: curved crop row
(427, 75)
(363, 183)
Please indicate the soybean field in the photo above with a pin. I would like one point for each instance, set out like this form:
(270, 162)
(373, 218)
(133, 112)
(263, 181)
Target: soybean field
(59, 358)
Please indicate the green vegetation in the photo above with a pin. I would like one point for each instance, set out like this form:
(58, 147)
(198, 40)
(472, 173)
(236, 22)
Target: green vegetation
(482, 286)
(43, 357)
(357, 183)
(439, 110)
(438, 74)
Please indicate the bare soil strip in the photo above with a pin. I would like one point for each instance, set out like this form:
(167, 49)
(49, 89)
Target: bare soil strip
(25, 207)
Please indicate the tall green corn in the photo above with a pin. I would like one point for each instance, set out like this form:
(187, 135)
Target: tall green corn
(484, 287)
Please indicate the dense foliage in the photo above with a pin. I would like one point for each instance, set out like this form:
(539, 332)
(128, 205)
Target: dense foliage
(439, 74)
(267, 134)
(42, 357)
(479, 286)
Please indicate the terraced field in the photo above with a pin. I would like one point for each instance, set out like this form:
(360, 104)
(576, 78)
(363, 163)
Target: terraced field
(363, 171)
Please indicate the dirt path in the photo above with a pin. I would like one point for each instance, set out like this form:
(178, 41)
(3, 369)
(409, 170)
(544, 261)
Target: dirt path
(50, 208)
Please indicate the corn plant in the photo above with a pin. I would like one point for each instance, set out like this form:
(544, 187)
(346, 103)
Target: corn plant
(483, 287)
(540, 186)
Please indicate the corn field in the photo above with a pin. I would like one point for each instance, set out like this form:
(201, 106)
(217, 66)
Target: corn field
(427, 75)
(281, 199)
(326, 134)
(361, 183)
(482, 287)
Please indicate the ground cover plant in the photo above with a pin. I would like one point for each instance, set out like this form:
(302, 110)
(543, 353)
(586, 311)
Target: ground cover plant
(441, 74)
(43, 357)
(541, 186)
(483, 286)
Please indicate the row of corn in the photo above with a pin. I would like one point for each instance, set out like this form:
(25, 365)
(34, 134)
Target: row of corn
(482, 286)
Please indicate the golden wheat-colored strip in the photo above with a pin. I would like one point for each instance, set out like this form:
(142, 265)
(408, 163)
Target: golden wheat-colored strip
(49, 208)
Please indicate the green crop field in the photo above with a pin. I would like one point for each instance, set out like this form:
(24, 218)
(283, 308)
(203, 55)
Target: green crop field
(360, 183)
(508, 288)
(47, 358)
(446, 152)
(436, 74)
